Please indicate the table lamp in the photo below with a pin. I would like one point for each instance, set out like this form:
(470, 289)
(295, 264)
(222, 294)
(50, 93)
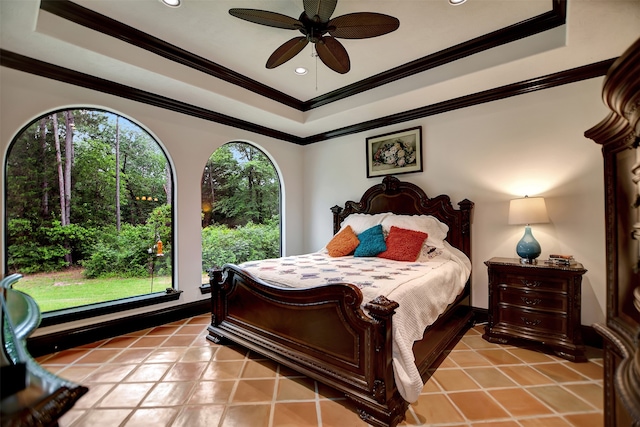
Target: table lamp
(528, 210)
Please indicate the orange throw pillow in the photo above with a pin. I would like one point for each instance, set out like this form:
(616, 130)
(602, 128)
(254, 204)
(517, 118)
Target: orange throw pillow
(403, 244)
(343, 243)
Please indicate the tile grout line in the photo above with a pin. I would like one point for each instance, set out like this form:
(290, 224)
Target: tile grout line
(316, 389)
(525, 389)
(274, 395)
(234, 389)
(142, 362)
(194, 357)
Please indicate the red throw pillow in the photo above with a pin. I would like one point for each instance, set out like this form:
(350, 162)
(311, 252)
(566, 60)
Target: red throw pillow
(403, 244)
(343, 243)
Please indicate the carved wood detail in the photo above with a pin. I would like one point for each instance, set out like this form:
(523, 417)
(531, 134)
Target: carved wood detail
(619, 135)
(324, 333)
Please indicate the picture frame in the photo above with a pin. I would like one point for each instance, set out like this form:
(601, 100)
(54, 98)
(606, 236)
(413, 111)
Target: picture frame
(395, 153)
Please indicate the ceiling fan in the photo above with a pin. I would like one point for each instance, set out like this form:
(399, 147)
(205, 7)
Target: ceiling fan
(314, 23)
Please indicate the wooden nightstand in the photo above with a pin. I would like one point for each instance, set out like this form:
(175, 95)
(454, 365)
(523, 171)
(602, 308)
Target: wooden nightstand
(535, 303)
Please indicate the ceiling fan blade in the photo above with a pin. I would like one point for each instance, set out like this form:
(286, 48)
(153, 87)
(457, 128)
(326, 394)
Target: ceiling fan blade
(362, 25)
(264, 17)
(287, 51)
(333, 54)
(322, 8)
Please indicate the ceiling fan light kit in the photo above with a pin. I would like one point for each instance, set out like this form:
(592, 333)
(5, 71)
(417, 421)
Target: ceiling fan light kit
(317, 28)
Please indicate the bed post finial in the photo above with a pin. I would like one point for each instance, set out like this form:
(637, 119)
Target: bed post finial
(466, 205)
(381, 307)
(390, 183)
(215, 275)
(336, 210)
(215, 280)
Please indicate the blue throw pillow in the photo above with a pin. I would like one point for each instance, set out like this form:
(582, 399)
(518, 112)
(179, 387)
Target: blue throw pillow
(371, 242)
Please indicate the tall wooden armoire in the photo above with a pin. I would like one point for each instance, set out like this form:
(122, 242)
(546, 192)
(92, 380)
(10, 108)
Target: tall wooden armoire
(619, 135)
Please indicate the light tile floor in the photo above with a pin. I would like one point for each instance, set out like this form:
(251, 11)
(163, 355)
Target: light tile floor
(172, 376)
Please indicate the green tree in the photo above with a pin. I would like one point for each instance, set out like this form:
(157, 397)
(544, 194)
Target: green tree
(239, 185)
(218, 180)
(240, 206)
(44, 194)
(142, 167)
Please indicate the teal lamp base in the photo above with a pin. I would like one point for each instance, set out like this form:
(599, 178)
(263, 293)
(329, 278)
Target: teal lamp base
(528, 248)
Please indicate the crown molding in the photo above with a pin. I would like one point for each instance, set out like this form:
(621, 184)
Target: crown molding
(86, 17)
(44, 69)
(585, 72)
(33, 66)
(546, 21)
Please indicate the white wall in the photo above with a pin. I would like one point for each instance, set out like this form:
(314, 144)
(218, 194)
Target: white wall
(531, 144)
(188, 142)
(526, 145)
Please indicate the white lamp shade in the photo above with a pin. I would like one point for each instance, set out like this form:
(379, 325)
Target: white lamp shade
(528, 210)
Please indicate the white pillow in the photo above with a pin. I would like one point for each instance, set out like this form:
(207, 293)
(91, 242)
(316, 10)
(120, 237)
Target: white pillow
(436, 230)
(361, 222)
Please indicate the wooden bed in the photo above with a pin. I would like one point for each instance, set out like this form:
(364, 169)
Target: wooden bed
(323, 332)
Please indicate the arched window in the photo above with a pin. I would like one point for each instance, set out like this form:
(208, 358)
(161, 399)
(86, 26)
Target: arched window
(240, 206)
(89, 217)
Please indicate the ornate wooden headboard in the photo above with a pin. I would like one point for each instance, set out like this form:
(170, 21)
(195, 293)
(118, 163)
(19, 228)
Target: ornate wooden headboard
(405, 198)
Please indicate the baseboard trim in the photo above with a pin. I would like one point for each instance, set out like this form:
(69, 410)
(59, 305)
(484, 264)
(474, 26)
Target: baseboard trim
(480, 315)
(591, 338)
(57, 341)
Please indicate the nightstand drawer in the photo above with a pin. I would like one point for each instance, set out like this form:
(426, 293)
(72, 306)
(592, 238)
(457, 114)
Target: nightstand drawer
(536, 321)
(547, 283)
(531, 299)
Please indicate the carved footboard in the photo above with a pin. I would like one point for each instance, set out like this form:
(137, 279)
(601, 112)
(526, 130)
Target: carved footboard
(320, 332)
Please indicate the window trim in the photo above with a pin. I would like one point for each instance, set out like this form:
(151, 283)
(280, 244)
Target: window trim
(89, 311)
(56, 317)
(205, 288)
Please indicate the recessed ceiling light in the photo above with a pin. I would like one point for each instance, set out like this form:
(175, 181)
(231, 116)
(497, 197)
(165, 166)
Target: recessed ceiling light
(171, 3)
(301, 71)
(456, 2)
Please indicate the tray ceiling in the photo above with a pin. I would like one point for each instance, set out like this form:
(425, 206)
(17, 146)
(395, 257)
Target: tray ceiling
(201, 55)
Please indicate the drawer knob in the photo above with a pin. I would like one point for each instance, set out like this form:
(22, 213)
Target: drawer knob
(529, 322)
(534, 284)
(529, 301)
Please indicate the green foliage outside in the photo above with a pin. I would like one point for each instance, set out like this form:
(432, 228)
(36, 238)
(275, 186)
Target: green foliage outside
(124, 254)
(100, 281)
(127, 253)
(105, 251)
(240, 207)
(42, 248)
(91, 193)
(239, 185)
(221, 245)
(87, 192)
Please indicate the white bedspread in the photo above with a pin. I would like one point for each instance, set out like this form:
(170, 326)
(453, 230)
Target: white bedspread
(423, 290)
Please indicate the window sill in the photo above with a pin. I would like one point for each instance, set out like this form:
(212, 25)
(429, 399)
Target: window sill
(87, 311)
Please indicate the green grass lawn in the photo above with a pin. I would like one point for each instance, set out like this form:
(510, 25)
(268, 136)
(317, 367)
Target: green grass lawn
(55, 291)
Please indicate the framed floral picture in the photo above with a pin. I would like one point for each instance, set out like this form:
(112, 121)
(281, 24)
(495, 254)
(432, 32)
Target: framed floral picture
(395, 153)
